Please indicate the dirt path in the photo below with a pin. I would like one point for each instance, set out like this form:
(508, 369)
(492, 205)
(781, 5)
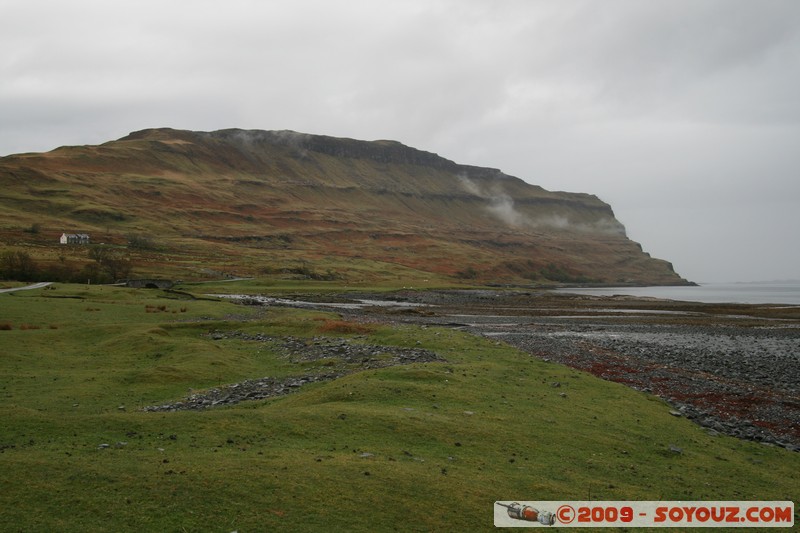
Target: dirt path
(39, 285)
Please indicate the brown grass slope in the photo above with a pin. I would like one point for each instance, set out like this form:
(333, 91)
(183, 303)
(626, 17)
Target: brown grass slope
(257, 201)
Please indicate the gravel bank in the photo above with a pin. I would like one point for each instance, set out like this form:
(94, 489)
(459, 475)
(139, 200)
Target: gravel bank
(736, 381)
(732, 369)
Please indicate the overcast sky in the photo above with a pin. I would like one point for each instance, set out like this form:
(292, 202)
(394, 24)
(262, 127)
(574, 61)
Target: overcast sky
(684, 115)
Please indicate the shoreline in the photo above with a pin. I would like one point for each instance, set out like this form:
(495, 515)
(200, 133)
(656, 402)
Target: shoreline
(731, 368)
(751, 293)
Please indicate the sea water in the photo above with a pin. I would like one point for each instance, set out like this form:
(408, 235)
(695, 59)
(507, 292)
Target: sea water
(772, 292)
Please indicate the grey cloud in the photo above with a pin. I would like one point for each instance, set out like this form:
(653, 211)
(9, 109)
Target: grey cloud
(501, 205)
(656, 107)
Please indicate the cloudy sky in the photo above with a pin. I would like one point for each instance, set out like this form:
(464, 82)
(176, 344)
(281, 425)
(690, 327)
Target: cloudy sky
(684, 115)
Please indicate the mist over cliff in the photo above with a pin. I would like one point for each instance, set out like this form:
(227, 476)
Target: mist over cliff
(253, 200)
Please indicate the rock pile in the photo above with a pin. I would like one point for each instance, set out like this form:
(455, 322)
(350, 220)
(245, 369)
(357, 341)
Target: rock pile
(344, 356)
(251, 389)
(735, 381)
(736, 374)
(363, 355)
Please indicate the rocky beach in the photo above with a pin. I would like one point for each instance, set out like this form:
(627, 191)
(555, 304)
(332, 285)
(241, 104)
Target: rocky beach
(732, 368)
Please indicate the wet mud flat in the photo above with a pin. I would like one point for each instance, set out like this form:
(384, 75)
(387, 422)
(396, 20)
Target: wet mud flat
(732, 368)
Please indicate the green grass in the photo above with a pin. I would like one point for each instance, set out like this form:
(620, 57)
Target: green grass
(425, 447)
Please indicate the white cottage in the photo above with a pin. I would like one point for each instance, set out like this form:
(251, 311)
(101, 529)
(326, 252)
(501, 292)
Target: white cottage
(74, 238)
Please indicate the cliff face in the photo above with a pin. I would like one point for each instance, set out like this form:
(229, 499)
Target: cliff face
(294, 196)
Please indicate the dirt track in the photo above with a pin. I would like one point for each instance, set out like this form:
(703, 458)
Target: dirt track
(28, 287)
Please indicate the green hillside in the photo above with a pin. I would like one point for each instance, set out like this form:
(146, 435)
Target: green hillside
(194, 205)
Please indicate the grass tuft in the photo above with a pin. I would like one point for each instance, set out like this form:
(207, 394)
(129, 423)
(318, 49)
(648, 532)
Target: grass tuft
(345, 327)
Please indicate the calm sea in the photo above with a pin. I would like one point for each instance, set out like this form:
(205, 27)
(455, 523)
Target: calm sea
(782, 292)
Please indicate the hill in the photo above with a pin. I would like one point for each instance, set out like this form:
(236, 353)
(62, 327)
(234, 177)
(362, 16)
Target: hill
(196, 204)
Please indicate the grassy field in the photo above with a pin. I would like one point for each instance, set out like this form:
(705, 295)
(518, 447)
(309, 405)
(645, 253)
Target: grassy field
(425, 447)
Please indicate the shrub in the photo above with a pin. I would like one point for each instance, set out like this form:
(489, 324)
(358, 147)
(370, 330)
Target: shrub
(141, 242)
(110, 265)
(559, 273)
(18, 265)
(306, 272)
(467, 273)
